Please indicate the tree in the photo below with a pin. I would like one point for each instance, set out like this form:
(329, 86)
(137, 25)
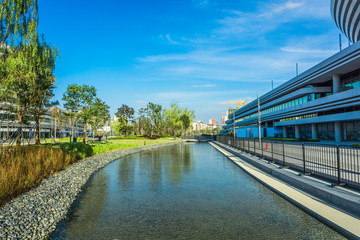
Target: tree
(42, 88)
(125, 115)
(178, 119)
(156, 117)
(81, 102)
(18, 20)
(27, 78)
(26, 63)
(100, 118)
(172, 116)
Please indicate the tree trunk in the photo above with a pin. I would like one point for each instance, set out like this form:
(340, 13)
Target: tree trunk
(37, 122)
(19, 135)
(84, 134)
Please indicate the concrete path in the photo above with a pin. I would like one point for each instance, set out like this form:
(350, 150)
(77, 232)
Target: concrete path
(337, 219)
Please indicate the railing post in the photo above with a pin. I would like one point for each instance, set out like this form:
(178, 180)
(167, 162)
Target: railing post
(249, 145)
(283, 148)
(272, 150)
(262, 149)
(338, 164)
(254, 147)
(303, 152)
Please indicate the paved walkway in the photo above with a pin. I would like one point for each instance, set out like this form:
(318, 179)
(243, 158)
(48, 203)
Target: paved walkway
(327, 211)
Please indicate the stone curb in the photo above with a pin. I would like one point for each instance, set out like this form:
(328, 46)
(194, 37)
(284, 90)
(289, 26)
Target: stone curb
(36, 213)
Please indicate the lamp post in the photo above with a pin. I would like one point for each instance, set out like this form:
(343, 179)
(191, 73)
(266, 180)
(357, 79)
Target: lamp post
(234, 125)
(259, 119)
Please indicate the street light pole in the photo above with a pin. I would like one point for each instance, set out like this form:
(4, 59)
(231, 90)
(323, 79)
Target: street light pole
(234, 125)
(259, 119)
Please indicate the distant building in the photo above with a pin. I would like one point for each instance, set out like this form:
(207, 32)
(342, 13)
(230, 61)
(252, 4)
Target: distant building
(198, 126)
(223, 120)
(212, 122)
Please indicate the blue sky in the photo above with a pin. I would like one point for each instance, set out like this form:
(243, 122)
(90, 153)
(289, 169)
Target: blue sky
(204, 54)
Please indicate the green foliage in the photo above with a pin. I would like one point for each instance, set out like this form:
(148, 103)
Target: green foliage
(125, 115)
(27, 62)
(82, 103)
(18, 20)
(178, 119)
(100, 118)
(356, 145)
(77, 150)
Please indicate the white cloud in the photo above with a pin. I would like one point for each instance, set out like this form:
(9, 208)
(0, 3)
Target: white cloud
(204, 86)
(288, 6)
(167, 38)
(308, 51)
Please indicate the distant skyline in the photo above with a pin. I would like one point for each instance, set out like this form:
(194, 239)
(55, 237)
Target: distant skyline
(204, 54)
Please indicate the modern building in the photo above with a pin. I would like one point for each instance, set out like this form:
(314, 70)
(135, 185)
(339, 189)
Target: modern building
(50, 126)
(321, 103)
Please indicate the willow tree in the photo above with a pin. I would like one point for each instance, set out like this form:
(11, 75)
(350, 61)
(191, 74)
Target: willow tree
(177, 118)
(43, 83)
(18, 56)
(18, 20)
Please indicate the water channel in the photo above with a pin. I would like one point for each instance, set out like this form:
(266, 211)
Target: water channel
(187, 191)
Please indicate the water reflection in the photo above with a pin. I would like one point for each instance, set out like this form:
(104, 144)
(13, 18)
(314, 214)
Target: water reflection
(186, 191)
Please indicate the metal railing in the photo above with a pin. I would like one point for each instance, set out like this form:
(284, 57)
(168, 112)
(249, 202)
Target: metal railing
(339, 164)
(199, 137)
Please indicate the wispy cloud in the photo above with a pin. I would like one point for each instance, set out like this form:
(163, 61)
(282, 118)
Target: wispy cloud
(308, 51)
(204, 86)
(168, 39)
(201, 3)
(288, 6)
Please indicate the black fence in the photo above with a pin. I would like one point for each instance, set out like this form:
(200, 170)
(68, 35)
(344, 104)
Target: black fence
(339, 164)
(200, 137)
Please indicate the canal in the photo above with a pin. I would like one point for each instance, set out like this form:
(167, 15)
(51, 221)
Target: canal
(187, 191)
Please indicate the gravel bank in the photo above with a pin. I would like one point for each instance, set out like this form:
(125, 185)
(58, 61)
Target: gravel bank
(35, 214)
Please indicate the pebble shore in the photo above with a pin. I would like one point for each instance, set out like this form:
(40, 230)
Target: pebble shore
(36, 213)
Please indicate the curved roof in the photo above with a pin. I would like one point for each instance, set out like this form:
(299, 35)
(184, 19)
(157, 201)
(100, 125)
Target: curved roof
(346, 14)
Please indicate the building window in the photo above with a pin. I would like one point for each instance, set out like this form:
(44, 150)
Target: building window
(326, 131)
(305, 131)
(352, 130)
(350, 81)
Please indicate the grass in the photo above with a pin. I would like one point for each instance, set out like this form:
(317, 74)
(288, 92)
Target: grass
(23, 168)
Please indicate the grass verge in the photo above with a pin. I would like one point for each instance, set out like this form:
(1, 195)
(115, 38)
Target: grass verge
(23, 168)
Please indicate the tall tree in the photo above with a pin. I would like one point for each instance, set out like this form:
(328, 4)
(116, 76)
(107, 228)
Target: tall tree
(100, 118)
(26, 62)
(125, 115)
(82, 102)
(177, 118)
(42, 88)
(18, 21)
(156, 117)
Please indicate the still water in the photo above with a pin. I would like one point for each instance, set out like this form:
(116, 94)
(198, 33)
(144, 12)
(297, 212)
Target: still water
(188, 191)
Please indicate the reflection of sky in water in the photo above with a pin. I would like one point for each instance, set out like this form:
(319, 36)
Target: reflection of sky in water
(187, 192)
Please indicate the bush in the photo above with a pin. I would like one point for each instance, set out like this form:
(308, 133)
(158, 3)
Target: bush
(356, 145)
(77, 150)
